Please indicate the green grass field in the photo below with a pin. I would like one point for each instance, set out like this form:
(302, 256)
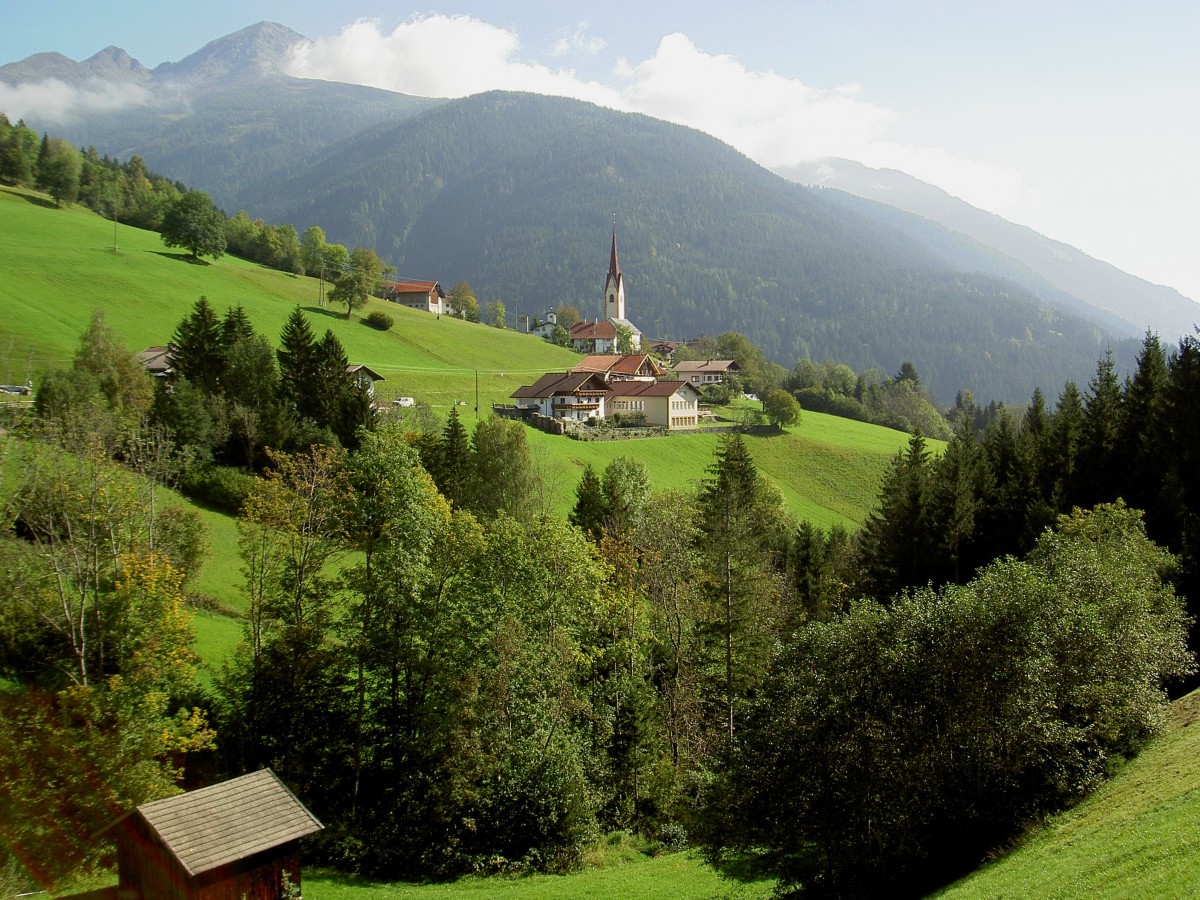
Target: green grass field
(679, 876)
(1138, 836)
(56, 266)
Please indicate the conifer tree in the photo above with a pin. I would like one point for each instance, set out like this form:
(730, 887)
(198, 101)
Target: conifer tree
(894, 549)
(297, 363)
(589, 512)
(1143, 439)
(454, 463)
(743, 601)
(197, 349)
(1099, 468)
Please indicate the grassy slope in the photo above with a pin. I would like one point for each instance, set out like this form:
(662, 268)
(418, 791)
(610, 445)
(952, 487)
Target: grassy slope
(56, 266)
(1139, 836)
(678, 876)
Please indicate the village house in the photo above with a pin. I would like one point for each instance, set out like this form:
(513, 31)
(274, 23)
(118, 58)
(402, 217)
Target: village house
(703, 372)
(236, 840)
(574, 396)
(156, 360)
(426, 296)
(673, 405)
(593, 337)
(364, 377)
(545, 328)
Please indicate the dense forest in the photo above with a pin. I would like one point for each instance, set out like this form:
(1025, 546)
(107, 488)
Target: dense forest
(455, 681)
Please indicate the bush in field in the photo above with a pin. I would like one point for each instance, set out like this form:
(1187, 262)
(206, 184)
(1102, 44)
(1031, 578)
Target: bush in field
(380, 321)
(893, 747)
(221, 487)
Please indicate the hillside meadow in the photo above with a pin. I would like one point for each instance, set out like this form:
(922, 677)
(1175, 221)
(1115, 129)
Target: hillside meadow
(1138, 836)
(58, 265)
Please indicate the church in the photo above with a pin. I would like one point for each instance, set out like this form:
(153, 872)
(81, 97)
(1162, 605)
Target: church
(602, 336)
(614, 297)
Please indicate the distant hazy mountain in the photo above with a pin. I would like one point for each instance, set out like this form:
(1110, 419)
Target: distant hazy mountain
(516, 193)
(1068, 270)
(223, 117)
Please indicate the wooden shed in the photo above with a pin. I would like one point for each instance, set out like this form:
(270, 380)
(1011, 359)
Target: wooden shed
(233, 840)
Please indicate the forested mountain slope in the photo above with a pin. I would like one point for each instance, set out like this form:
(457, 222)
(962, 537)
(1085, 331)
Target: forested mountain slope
(516, 193)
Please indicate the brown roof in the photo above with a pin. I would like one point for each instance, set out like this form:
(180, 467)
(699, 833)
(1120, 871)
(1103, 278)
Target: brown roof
(229, 821)
(590, 331)
(559, 383)
(413, 287)
(648, 388)
(355, 368)
(619, 364)
(157, 360)
(706, 365)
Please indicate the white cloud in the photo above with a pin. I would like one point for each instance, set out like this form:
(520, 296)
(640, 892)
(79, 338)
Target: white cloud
(576, 40)
(438, 56)
(775, 120)
(56, 101)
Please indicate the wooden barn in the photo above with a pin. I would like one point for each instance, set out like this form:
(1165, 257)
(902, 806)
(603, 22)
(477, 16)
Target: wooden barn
(233, 840)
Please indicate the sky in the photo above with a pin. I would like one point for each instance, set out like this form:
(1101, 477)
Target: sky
(1078, 118)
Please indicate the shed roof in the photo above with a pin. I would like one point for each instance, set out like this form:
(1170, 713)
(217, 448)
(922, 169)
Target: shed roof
(229, 821)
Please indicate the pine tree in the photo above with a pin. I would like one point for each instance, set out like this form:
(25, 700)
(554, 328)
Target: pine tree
(297, 362)
(454, 464)
(743, 601)
(589, 512)
(894, 551)
(1099, 468)
(197, 349)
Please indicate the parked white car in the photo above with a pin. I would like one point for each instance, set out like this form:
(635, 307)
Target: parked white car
(404, 401)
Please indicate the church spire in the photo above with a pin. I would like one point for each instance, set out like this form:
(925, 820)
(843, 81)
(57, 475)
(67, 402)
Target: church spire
(614, 269)
(614, 290)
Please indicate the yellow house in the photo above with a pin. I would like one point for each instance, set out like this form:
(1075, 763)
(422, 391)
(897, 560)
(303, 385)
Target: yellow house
(673, 405)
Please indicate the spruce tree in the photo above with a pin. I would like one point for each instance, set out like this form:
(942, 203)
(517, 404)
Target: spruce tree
(297, 361)
(1099, 468)
(894, 551)
(197, 349)
(743, 601)
(589, 512)
(1143, 440)
(454, 463)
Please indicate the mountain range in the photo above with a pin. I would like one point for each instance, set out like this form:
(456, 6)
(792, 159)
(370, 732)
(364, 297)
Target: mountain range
(516, 193)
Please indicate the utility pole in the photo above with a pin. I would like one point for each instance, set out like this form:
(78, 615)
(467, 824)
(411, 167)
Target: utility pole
(476, 395)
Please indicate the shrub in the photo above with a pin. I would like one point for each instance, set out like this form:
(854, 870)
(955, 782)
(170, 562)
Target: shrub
(893, 747)
(380, 321)
(221, 487)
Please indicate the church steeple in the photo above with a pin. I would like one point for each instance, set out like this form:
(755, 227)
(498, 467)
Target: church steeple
(614, 289)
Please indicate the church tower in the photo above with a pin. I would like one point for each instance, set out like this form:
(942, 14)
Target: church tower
(614, 289)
